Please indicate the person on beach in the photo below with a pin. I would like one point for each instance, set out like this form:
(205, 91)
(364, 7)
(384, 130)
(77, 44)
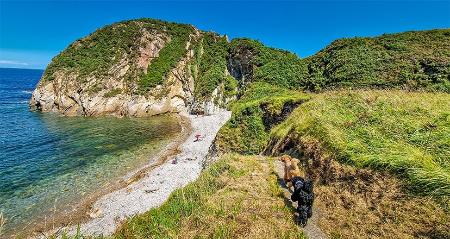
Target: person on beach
(197, 137)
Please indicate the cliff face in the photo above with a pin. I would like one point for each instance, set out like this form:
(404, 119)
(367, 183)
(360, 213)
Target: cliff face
(135, 68)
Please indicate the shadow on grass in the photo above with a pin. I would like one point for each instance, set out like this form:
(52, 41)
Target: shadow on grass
(287, 200)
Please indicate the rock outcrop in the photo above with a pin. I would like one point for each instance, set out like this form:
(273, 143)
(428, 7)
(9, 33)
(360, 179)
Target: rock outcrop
(114, 87)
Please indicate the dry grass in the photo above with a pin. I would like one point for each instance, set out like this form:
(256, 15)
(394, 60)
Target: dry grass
(361, 203)
(237, 197)
(249, 206)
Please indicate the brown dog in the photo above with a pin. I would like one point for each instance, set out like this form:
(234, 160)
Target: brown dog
(290, 168)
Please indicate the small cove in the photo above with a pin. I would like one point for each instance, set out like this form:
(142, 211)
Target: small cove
(47, 162)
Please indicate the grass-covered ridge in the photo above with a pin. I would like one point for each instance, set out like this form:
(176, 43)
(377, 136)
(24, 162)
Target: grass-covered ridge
(404, 132)
(411, 60)
(211, 67)
(258, 109)
(227, 201)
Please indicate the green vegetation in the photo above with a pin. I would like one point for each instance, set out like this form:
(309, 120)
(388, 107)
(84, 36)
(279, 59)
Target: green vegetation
(410, 60)
(168, 58)
(405, 132)
(113, 93)
(247, 132)
(211, 62)
(220, 204)
(274, 66)
(98, 52)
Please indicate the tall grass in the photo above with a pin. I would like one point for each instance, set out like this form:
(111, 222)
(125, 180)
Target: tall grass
(404, 132)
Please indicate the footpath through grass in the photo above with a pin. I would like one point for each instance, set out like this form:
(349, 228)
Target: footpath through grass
(404, 132)
(236, 197)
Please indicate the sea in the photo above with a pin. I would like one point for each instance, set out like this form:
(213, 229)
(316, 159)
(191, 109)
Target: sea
(49, 163)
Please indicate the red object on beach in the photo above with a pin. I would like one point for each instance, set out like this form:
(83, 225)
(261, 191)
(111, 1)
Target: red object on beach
(197, 137)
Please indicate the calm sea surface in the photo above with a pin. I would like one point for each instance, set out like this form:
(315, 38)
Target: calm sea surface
(48, 162)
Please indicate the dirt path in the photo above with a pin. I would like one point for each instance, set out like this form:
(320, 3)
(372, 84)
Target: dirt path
(312, 229)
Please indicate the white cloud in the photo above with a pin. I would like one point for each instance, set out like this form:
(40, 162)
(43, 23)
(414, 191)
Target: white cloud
(7, 62)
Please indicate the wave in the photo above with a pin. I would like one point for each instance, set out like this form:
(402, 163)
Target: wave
(27, 92)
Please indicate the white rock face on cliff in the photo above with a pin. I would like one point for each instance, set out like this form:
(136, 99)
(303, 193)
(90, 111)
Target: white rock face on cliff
(71, 97)
(116, 92)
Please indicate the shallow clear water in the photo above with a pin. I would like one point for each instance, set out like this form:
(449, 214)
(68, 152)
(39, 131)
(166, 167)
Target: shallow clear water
(48, 161)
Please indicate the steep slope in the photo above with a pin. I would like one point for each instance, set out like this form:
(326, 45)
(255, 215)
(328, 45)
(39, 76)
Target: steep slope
(134, 68)
(406, 133)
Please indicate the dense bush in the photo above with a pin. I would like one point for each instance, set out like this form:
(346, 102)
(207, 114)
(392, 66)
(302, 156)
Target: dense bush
(96, 53)
(410, 60)
(274, 66)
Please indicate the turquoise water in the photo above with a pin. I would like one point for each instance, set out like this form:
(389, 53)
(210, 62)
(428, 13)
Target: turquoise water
(47, 162)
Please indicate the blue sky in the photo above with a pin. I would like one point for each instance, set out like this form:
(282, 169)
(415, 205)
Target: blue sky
(32, 32)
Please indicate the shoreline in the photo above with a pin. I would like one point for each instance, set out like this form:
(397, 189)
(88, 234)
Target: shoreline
(146, 187)
(78, 211)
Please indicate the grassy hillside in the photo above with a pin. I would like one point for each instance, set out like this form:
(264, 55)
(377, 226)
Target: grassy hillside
(211, 66)
(261, 106)
(95, 54)
(411, 60)
(394, 136)
(237, 197)
(404, 132)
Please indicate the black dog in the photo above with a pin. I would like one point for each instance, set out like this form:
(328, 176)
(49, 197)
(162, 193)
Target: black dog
(303, 193)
